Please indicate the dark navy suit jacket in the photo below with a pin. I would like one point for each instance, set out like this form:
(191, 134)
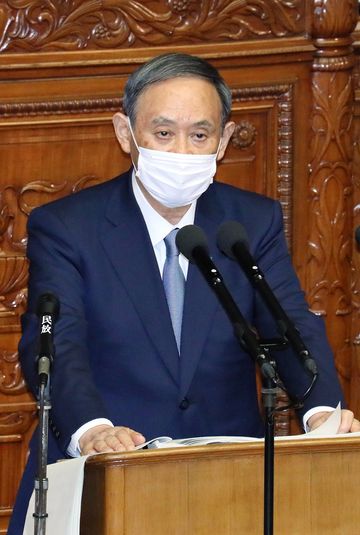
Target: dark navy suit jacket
(116, 354)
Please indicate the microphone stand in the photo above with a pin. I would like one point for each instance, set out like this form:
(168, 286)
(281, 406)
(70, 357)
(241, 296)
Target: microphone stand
(269, 392)
(41, 480)
(48, 311)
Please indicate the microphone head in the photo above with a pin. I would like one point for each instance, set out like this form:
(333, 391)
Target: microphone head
(230, 233)
(357, 235)
(48, 303)
(189, 238)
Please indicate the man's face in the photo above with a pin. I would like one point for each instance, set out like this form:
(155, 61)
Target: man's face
(180, 115)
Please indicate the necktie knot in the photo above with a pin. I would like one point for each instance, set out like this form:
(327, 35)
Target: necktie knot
(170, 243)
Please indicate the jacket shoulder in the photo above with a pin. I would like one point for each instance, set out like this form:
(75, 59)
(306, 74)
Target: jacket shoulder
(86, 199)
(233, 195)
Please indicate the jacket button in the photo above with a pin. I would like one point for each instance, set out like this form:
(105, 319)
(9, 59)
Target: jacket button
(184, 404)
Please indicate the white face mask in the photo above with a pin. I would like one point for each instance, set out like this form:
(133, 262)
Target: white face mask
(174, 179)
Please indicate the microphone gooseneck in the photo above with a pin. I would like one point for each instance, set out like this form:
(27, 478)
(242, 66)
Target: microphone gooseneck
(357, 235)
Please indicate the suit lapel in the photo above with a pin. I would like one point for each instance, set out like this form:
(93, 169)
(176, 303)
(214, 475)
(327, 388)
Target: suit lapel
(128, 246)
(200, 301)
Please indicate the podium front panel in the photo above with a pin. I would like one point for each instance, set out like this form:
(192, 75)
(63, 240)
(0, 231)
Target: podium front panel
(219, 489)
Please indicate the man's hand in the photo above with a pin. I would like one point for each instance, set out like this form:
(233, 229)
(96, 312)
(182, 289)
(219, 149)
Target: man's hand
(348, 423)
(106, 439)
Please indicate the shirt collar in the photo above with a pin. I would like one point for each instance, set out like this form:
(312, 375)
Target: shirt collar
(157, 226)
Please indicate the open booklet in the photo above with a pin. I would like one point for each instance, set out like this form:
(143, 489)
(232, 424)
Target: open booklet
(167, 442)
(326, 430)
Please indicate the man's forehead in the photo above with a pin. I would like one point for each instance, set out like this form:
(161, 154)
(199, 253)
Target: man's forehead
(177, 86)
(164, 102)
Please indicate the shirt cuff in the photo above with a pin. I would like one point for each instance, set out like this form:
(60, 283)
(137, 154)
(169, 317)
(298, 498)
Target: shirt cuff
(312, 411)
(73, 448)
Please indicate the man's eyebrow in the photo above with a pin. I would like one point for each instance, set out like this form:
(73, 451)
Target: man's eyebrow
(204, 124)
(161, 120)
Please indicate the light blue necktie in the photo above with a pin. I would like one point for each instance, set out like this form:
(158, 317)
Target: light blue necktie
(174, 284)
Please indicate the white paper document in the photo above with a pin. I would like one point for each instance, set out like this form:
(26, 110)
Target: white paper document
(63, 498)
(326, 430)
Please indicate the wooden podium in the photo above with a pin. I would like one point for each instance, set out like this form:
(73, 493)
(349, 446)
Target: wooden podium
(218, 489)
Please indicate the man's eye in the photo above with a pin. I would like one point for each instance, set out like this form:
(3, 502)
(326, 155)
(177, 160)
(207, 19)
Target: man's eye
(163, 133)
(200, 136)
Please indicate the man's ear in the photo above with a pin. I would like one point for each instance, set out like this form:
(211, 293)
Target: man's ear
(225, 138)
(122, 131)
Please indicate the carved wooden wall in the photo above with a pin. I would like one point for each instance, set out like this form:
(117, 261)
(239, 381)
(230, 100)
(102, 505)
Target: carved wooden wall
(63, 65)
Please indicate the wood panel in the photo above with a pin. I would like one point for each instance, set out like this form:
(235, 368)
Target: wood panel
(63, 66)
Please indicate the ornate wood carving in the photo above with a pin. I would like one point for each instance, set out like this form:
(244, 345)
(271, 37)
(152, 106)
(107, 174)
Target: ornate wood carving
(15, 207)
(13, 284)
(285, 159)
(11, 380)
(16, 422)
(332, 19)
(59, 107)
(46, 25)
(244, 135)
(329, 244)
(13, 265)
(355, 367)
(282, 95)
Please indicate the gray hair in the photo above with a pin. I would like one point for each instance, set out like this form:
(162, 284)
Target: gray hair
(169, 66)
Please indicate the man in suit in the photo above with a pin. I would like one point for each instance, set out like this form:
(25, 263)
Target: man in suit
(123, 373)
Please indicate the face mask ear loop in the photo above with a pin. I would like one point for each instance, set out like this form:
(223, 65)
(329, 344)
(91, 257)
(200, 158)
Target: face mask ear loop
(136, 145)
(218, 148)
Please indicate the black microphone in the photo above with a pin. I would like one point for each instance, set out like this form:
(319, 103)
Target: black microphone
(232, 241)
(48, 312)
(357, 235)
(192, 243)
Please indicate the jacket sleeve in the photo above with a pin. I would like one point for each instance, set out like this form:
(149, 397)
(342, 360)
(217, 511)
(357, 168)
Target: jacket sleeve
(273, 257)
(55, 266)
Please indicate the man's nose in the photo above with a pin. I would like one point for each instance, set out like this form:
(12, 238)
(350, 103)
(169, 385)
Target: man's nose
(183, 145)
